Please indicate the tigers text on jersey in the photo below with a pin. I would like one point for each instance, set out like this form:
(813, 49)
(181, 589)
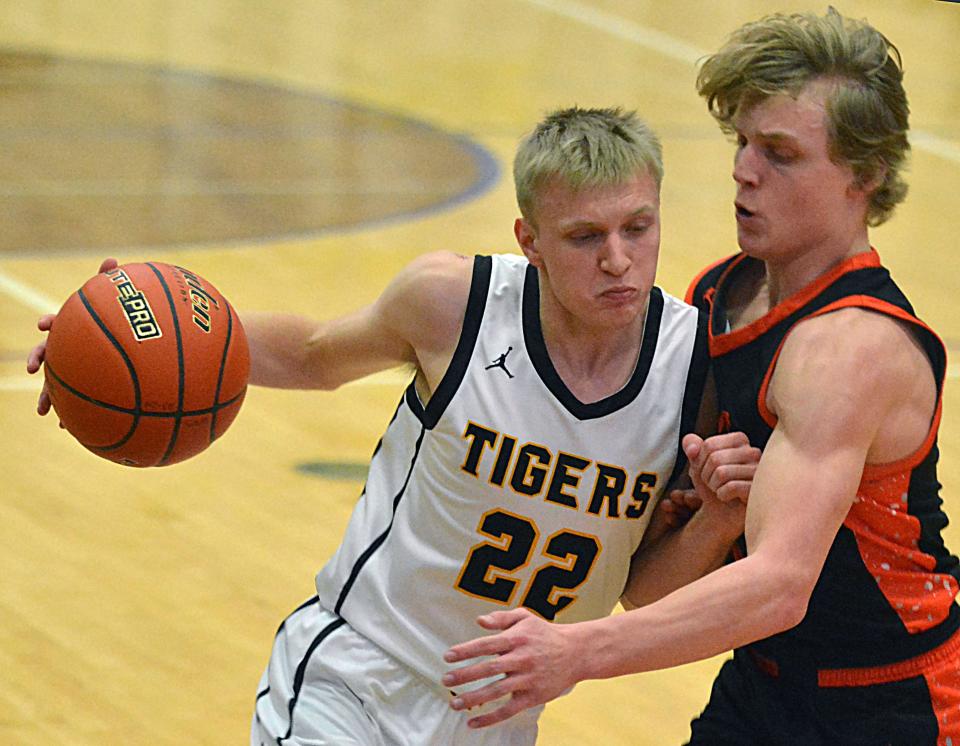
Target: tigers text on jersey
(505, 490)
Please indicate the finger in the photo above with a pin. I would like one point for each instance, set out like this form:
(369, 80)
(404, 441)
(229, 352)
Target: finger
(43, 403)
(692, 445)
(510, 709)
(35, 358)
(107, 264)
(500, 620)
(46, 321)
(730, 473)
(489, 693)
(480, 646)
(718, 461)
(735, 490)
(726, 440)
(473, 672)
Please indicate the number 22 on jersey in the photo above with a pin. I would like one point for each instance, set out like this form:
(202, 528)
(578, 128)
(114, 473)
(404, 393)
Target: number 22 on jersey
(488, 571)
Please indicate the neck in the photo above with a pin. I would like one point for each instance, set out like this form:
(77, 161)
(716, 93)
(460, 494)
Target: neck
(790, 275)
(593, 361)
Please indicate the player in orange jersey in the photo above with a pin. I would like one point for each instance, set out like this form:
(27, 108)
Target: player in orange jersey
(841, 611)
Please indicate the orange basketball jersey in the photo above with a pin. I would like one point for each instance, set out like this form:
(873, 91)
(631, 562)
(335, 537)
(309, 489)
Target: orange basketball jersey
(886, 592)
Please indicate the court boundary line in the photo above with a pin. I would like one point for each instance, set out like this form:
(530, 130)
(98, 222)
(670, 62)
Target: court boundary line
(679, 50)
(28, 296)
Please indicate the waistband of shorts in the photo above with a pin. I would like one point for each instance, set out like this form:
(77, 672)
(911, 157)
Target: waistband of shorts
(869, 676)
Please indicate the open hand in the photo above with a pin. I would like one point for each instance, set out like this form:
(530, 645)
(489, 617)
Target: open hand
(535, 659)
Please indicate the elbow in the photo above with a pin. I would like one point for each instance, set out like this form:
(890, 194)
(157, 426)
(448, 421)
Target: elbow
(788, 594)
(787, 612)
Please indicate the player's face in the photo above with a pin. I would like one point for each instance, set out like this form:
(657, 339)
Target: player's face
(596, 248)
(791, 198)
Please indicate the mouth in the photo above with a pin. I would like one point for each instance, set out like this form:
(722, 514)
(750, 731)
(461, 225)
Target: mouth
(743, 212)
(620, 293)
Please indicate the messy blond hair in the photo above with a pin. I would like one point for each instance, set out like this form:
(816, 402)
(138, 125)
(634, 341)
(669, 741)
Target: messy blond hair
(867, 109)
(584, 147)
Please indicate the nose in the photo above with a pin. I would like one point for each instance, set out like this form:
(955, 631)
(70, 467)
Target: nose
(615, 256)
(745, 166)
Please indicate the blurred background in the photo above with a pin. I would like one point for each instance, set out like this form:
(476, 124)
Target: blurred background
(297, 154)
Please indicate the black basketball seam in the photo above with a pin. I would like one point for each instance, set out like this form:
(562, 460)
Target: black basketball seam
(131, 369)
(142, 412)
(180, 380)
(223, 365)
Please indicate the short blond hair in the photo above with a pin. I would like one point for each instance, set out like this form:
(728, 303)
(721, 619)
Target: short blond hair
(585, 147)
(867, 109)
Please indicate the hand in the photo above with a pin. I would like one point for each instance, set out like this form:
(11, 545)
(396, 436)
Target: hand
(535, 658)
(37, 354)
(678, 506)
(722, 466)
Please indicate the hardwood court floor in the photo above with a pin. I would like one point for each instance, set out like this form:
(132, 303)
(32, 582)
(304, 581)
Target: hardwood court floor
(297, 154)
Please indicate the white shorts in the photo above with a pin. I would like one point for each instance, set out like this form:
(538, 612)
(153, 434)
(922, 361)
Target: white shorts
(327, 684)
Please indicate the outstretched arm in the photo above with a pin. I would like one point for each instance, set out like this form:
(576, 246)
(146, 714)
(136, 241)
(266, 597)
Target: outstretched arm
(416, 321)
(830, 408)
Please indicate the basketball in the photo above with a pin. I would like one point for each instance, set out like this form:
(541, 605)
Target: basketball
(147, 364)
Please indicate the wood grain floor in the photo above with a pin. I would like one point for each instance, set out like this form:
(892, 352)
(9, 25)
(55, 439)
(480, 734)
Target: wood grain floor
(297, 154)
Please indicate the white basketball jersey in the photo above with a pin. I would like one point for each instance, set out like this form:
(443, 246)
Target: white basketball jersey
(505, 490)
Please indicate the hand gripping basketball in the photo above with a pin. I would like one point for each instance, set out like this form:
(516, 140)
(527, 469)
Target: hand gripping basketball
(146, 364)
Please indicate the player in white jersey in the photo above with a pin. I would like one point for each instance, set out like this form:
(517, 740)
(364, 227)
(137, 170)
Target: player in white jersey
(523, 463)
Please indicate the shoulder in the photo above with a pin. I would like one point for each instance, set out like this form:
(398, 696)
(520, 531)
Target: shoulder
(843, 370)
(875, 345)
(426, 301)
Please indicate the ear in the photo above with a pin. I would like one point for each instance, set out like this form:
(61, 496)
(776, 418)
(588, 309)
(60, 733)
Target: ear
(527, 239)
(868, 185)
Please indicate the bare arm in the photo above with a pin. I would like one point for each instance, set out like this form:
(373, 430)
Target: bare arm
(415, 321)
(720, 471)
(832, 412)
(722, 463)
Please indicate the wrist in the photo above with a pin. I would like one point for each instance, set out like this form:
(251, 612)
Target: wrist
(718, 522)
(590, 650)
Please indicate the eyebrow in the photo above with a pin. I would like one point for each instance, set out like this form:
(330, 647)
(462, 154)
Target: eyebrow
(644, 211)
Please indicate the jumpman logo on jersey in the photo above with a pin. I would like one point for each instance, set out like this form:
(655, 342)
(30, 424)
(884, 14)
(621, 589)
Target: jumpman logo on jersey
(501, 362)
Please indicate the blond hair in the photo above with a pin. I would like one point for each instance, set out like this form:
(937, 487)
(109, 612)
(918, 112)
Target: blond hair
(867, 109)
(583, 148)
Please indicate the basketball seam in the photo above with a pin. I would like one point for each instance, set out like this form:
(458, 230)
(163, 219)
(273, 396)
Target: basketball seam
(131, 369)
(137, 412)
(223, 365)
(178, 416)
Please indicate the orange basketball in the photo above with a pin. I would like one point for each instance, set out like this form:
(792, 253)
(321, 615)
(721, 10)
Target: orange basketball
(147, 364)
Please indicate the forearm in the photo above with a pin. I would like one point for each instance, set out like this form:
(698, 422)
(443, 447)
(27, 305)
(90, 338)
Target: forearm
(675, 559)
(279, 351)
(738, 603)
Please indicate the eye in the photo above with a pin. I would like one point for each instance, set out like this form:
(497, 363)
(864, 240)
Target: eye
(780, 155)
(583, 236)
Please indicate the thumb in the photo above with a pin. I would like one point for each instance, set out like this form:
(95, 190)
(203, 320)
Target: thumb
(693, 448)
(692, 445)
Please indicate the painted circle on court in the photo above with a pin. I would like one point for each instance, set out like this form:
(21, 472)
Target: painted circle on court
(98, 156)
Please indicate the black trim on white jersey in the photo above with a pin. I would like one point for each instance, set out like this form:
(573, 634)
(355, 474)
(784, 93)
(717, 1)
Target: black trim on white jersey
(368, 552)
(301, 672)
(693, 393)
(473, 315)
(537, 349)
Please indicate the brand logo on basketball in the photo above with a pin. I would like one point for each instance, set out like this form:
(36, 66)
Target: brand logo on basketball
(135, 307)
(200, 299)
